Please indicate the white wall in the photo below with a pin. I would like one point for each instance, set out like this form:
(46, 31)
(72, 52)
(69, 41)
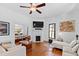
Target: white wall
(13, 18)
(72, 15)
(9, 37)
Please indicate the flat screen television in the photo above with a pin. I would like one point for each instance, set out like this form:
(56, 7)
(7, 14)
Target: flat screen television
(38, 24)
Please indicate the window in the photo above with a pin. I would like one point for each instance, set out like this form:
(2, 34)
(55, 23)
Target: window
(52, 31)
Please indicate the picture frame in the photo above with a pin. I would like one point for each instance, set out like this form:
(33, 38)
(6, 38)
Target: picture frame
(67, 26)
(4, 28)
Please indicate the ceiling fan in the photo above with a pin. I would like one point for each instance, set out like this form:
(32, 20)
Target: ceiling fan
(34, 7)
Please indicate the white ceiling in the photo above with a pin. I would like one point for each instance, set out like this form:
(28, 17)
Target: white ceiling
(50, 10)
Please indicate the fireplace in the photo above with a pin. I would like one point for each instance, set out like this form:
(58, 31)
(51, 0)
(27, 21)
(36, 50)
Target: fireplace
(38, 38)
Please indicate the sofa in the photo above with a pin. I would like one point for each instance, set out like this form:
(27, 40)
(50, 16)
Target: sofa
(57, 44)
(13, 51)
(69, 49)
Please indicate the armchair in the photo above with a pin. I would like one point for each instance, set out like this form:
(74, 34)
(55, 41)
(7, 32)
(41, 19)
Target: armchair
(14, 51)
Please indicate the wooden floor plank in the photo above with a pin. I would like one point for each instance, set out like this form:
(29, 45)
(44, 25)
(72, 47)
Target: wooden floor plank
(42, 49)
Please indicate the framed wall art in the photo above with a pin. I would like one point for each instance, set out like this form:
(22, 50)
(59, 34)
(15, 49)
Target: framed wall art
(67, 26)
(4, 28)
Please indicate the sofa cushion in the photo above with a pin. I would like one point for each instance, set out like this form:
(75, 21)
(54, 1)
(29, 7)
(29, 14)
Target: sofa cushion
(69, 54)
(57, 44)
(14, 47)
(59, 39)
(73, 43)
(17, 50)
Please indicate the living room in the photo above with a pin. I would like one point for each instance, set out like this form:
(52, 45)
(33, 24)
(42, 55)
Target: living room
(57, 15)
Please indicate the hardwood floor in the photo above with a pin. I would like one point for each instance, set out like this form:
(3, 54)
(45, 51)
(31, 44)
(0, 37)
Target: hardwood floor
(42, 49)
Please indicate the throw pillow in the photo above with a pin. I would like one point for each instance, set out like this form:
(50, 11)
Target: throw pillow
(73, 43)
(2, 50)
(59, 39)
(75, 48)
(6, 44)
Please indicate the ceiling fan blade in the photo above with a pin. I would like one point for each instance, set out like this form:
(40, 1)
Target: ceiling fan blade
(38, 11)
(41, 5)
(30, 12)
(24, 7)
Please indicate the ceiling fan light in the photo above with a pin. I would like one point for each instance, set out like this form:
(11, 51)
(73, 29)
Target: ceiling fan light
(33, 9)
